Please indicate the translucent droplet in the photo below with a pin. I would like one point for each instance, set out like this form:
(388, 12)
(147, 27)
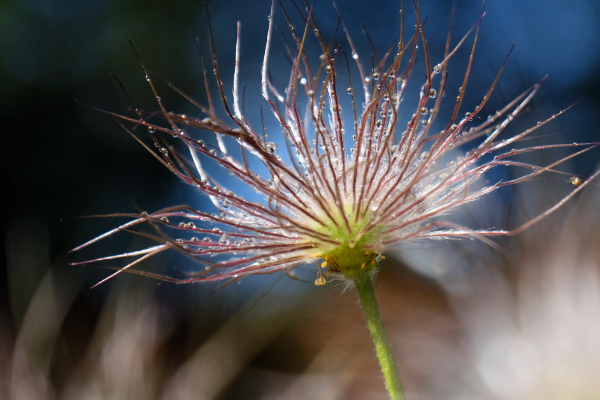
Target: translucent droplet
(424, 110)
(303, 81)
(271, 147)
(224, 239)
(355, 56)
(164, 219)
(432, 93)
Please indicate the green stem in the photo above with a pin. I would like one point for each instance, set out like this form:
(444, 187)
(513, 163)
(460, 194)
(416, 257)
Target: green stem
(364, 287)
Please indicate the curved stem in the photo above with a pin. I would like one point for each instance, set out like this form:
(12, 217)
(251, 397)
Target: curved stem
(364, 287)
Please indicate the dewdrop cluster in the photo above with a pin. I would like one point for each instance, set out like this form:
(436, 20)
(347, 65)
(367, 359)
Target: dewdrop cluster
(358, 181)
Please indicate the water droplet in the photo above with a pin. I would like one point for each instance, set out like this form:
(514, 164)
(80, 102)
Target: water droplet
(182, 225)
(432, 93)
(271, 147)
(200, 142)
(164, 219)
(195, 239)
(424, 155)
(424, 110)
(355, 56)
(213, 152)
(303, 81)
(226, 203)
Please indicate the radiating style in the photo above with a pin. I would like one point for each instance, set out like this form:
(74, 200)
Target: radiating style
(349, 184)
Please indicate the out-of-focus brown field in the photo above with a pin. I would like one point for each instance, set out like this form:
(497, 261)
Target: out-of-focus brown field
(465, 321)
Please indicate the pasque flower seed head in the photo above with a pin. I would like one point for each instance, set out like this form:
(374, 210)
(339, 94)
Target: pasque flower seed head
(358, 180)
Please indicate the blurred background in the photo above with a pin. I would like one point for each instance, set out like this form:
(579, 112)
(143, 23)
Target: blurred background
(465, 321)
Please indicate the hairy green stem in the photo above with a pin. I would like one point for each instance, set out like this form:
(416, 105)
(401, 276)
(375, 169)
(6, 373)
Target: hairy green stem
(364, 287)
